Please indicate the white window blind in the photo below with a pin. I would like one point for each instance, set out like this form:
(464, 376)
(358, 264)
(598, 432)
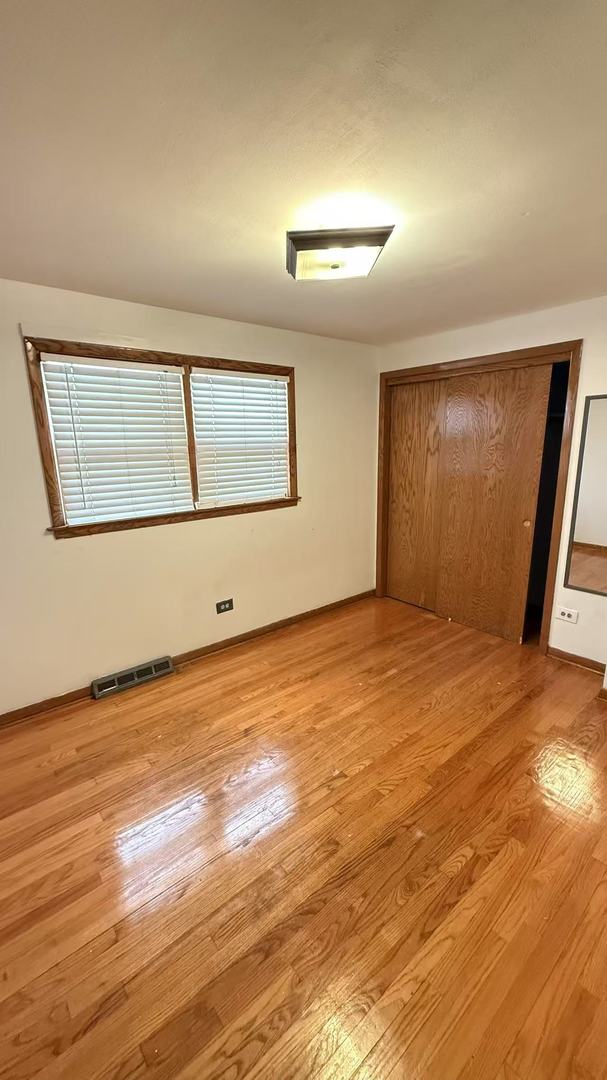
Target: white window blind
(241, 427)
(120, 439)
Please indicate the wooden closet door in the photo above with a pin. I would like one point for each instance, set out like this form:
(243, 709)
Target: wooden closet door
(491, 456)
(416, 411)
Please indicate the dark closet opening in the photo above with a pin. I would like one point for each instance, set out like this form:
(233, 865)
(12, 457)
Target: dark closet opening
(546, 499)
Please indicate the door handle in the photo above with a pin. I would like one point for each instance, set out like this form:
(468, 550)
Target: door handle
(527, 523)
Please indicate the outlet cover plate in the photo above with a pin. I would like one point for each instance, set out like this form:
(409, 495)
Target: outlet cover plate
(224, 605)
(567, 614)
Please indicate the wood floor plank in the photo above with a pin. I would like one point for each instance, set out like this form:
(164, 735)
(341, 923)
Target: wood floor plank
(590, 1057)
(545, 935)
(540, 1045)
(370, 845)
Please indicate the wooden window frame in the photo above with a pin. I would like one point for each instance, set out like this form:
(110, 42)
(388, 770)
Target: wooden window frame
(569, 351)
(35, 347)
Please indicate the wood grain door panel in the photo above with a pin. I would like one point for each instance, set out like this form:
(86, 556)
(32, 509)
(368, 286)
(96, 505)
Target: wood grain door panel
(490, 461)
(416, 421)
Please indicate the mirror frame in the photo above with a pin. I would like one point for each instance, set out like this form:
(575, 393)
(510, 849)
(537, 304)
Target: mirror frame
(576, 495)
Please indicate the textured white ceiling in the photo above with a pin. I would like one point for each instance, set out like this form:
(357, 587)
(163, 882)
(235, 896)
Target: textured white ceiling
(157, 150)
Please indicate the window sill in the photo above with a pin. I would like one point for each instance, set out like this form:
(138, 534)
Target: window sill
(63, 531)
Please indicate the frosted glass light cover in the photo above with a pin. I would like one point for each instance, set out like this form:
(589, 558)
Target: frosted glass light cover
(326, 264)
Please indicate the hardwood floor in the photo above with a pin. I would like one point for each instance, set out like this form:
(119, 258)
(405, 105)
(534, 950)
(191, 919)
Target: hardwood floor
(588, 568)
(368, 846)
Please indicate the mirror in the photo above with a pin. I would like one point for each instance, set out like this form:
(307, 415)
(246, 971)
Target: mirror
(587, 559)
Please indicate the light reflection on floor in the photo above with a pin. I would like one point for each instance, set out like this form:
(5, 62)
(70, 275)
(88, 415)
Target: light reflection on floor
(262, 814)
(227, 812)
(568, 781)
(159, 828)
(347, 1052)
(243, 819)
(268, 762)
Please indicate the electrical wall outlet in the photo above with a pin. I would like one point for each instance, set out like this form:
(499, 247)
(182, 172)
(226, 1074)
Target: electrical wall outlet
(224, 605)
(567, 614)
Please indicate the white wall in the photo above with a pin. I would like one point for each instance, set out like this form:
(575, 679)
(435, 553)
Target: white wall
(587, 320)
(591, 517)
(74, 609)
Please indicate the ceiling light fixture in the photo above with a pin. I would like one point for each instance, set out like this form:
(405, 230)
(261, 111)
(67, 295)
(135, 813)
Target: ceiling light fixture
(331, 254)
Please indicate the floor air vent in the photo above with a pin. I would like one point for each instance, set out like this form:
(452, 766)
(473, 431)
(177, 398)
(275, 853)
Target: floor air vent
(122, 680)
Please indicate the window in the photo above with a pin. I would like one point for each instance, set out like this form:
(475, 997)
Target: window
(131, 438)
(241, 430)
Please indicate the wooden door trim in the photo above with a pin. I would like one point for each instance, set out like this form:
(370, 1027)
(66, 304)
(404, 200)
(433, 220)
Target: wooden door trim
(383, 481)
(561, 488)
(563, 351)
(539, 354)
